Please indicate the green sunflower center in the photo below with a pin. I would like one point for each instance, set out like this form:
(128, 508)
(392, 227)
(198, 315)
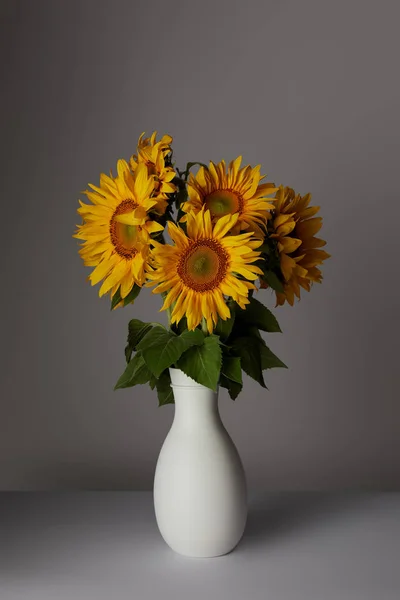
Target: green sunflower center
(204, 265)
(123, 236)
(223, 202)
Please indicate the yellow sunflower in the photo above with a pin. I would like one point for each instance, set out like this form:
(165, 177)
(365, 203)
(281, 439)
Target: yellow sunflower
(116, 229)
(152, 154)
(294, 226)
(233, 191)
(202, 266)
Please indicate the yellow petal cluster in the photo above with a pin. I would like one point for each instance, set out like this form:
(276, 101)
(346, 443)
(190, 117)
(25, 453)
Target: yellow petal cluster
(232, 190)
(230, 212)
(153, 154)
(116, 229)
(202, 267)
(294, 227)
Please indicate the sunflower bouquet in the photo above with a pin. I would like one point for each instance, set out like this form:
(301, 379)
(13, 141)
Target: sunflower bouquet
(206, 242)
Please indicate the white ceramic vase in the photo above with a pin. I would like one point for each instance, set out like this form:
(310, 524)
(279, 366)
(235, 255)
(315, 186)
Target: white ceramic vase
(199, 486)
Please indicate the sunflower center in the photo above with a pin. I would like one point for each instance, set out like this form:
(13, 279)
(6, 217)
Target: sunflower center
(223, 202)
(204, 265)
(124, 236)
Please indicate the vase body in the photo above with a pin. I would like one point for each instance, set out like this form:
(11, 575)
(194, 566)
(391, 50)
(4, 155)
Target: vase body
(199, 486)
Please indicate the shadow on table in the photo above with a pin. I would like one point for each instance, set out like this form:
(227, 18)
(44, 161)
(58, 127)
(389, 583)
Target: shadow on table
(281, 515)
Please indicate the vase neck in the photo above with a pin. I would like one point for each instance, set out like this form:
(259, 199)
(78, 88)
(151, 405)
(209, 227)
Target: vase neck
(194, 403)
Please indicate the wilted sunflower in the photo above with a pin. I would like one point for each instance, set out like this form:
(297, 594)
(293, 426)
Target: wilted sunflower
(236, 191)
(116, 229)
(153, 155)
(294, 227)
(202, 267)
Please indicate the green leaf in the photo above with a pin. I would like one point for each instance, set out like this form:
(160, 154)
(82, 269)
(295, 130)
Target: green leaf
(128, 353)
(137, 331)
(203, 363)
(273, 281)
(231, 368)
(180, 327)
(152, 336)
(136, 373)
(194, 338)
(224, 328)
(248, 348)
(181, 197)
(251, 330)
(133, 294)
(233, 388)
(116, 299)
(162, 348)
(269, 360)
(164, 389)
(265, 249)
(153, 382)
(258, 315)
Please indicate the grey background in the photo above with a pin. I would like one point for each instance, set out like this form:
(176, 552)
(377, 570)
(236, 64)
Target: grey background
(308, 88)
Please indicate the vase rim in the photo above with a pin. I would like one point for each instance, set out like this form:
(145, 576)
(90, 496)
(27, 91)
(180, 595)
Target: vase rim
(180, 379)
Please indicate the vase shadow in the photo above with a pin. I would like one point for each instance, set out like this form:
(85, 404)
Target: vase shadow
(273, 515)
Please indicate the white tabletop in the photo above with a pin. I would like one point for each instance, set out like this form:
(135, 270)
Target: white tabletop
(105, 545)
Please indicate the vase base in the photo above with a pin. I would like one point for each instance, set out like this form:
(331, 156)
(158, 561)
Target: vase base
(203, 553)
